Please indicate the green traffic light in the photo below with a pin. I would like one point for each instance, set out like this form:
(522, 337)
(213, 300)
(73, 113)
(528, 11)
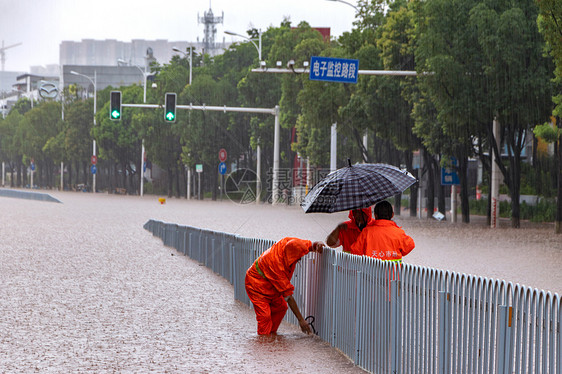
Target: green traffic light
(115, 114)
(170, 116)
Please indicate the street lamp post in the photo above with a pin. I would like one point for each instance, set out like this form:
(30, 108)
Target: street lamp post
(258, 46)
(258, 148)
(145, 75)
(176, 49)
(190, 59)
(334, 133)
(345, 2)
(95, 104)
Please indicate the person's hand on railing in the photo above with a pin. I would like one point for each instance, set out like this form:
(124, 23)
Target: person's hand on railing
(317, 247)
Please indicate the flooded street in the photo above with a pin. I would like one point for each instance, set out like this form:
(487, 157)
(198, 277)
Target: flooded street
(85, 288)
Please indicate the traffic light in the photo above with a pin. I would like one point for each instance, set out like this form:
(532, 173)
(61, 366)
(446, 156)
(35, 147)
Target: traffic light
(115, 107)
(170, 113)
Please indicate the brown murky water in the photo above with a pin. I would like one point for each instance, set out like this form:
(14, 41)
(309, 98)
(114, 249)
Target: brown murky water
(83, 287)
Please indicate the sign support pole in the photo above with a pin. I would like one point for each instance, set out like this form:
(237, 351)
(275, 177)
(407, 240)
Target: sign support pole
(496, 178)
(258, 173)
(188, 183)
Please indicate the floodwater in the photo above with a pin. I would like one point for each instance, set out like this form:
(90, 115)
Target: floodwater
(84, 288)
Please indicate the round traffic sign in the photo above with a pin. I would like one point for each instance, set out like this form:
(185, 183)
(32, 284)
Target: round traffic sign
(222, 155)
(222, 168)
(94, 159)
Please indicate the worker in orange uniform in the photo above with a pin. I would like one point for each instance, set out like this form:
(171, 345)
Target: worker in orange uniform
(346, 233)
(383, 239)
(268, 283)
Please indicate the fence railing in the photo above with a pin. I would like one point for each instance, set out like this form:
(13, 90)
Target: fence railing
(391, 318)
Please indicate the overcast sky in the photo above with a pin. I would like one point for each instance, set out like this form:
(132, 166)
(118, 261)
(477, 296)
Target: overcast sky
(41, 25)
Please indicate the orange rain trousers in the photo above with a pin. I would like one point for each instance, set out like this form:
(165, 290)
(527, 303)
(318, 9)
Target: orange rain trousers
(270, 309)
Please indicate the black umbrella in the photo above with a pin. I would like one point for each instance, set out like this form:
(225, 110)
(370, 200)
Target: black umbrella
(356, 186)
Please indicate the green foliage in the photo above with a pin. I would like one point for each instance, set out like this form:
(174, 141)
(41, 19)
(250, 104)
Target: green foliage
(544, 211)
(547, 132)
(477, 60)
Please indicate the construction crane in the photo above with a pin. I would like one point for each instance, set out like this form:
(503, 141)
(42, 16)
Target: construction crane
(3, 53)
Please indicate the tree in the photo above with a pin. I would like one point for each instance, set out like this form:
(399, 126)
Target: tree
(550, 25)
(77, 140)
(118, 141)
(10, 151)
(41, 123)
(449, 50)
(518, 87)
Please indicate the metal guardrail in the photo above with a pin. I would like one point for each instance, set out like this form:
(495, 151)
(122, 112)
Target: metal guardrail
(30, 195)
(391, 318)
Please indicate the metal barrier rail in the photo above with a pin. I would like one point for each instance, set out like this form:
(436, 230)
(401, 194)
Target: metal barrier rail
(399, 318)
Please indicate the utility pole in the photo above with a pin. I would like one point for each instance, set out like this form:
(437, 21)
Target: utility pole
(3, 53)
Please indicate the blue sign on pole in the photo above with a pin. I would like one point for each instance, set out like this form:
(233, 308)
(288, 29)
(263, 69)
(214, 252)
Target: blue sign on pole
(222, 168)
(330, 69)
(33, 166)
(93, 169)
(449, 176)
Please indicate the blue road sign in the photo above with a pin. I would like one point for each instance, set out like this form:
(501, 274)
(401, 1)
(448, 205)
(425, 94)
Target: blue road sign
(449, 176)
(222, 168)
(334, 69)
(33, 166)
(93, 169)
(144, 167)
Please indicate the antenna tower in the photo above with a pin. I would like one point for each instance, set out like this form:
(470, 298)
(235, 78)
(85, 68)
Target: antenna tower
(209, 20)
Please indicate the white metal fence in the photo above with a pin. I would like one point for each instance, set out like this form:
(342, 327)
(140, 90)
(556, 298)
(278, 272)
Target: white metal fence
(391, 318)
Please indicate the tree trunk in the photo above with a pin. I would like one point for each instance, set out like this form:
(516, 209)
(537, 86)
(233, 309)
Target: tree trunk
(69, 176)
(11, 175)
(87, 180)
(413, 189)
(558, 221)
(170, 182)
(19, 174)
(177, 178)
(463, 178)
(428, 161)
(515, 189)
(216, 183)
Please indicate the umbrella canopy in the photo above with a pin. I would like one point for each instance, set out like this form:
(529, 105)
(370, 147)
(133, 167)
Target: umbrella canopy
(355, 187)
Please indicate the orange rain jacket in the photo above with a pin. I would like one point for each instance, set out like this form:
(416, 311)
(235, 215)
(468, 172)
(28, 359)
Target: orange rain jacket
(268, 281)
(349, 236)
(384, 240)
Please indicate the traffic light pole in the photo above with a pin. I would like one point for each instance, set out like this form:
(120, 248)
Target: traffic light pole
(225, 109)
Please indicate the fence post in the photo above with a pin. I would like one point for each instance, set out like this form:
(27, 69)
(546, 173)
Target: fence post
(334, 267)
(213, 254)
(234, 279)
(184, 248)
(444, 331)
(395, 344)
(504, 348)
(359, 314)
(223, 258)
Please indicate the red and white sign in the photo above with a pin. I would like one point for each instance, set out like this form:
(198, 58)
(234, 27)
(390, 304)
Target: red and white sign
(222, 155)
(94, 159)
